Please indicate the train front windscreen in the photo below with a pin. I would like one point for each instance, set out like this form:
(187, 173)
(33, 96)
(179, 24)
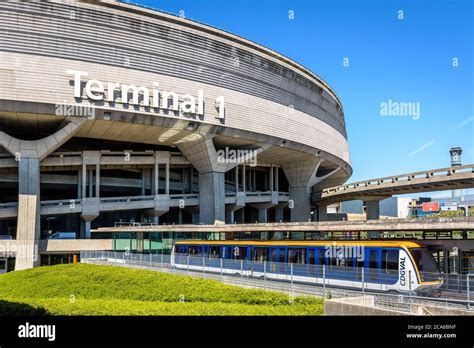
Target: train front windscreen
(426, 264)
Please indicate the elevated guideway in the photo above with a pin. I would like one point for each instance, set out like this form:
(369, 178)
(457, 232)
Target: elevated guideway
(374, 190)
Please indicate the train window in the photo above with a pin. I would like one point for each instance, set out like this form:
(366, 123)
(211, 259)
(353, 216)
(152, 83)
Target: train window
(297, 255)
(260, 254)
(373, 259)
(424, 260)
(281, 256)
(322, 257)
(178, 250)
(239, 253)
(274, 255)
(214, 252)
(311, 256)
(350, 261)
(390, 260)
(224, 253)
(193, 250)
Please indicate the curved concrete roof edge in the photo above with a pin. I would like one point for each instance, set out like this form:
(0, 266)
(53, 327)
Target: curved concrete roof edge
(194, 24)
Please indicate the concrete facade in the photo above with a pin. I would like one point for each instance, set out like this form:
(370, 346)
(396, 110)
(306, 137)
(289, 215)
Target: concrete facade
(79, 123)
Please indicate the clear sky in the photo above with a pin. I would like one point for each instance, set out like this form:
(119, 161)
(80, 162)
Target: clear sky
(423, 55)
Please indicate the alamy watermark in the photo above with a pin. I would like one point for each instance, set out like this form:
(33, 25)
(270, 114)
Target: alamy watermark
(71, 109)
(402, 109)
(344, 252)
(241, 156)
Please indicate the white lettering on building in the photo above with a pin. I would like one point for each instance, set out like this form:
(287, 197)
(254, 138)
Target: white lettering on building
(141, 96)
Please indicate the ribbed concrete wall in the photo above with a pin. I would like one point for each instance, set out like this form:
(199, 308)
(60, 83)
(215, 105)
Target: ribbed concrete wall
(265, 92)
(90, 33)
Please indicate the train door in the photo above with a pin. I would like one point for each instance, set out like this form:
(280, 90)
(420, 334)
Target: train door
(373, 259)
(273, 260)
(202, 251)
(311, 261)
(282, 260)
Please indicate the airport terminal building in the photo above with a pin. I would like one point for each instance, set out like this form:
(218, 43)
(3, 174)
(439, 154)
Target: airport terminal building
(110, 112)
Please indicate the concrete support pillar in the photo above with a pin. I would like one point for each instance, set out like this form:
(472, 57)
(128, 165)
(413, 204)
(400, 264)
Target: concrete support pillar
(244, 183)
(29, 218)
(90, 182)
(140, 242)
(167, 178)
(229, 217)
(79, 183)
(156, 178)
(237, 179)
(277, 188)
(446, 261)
(278, 214)
(143, 182)
(272, 187)
(263, 215)
(161, 201)
(301, 197)
(322, 212)
(84, 180)
(87, 229)
(302, 176)
(211, 199)
(373, 210)
(97, 180)
(29, 154)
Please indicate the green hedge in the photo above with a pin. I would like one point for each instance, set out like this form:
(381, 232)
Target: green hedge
(106, 290)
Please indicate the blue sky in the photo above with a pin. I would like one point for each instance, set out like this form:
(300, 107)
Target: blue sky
(403, 60)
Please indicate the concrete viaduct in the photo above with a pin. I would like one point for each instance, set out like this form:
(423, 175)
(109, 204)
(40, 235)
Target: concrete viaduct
(374, 190)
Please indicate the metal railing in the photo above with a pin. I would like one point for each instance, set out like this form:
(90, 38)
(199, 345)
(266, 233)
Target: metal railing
(457, 290)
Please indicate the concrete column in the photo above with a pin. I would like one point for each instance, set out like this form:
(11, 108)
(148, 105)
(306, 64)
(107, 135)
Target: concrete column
(263, 215)
(254, 179)
(97, 180)
(167, 187)
(301, 197)
(237, 179)
(90, 182)
(79, 180)
(278, 214)
(322, 212)
(87, 229)
(212, 198)
(229, 217)
(244, 184)
(29, 218)
(84, 180)
(271, 179)
(446, 261)
(373, 210)
(30, 153)
(140, 242)
(143, 182)
(277, 188)
(157, 178)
